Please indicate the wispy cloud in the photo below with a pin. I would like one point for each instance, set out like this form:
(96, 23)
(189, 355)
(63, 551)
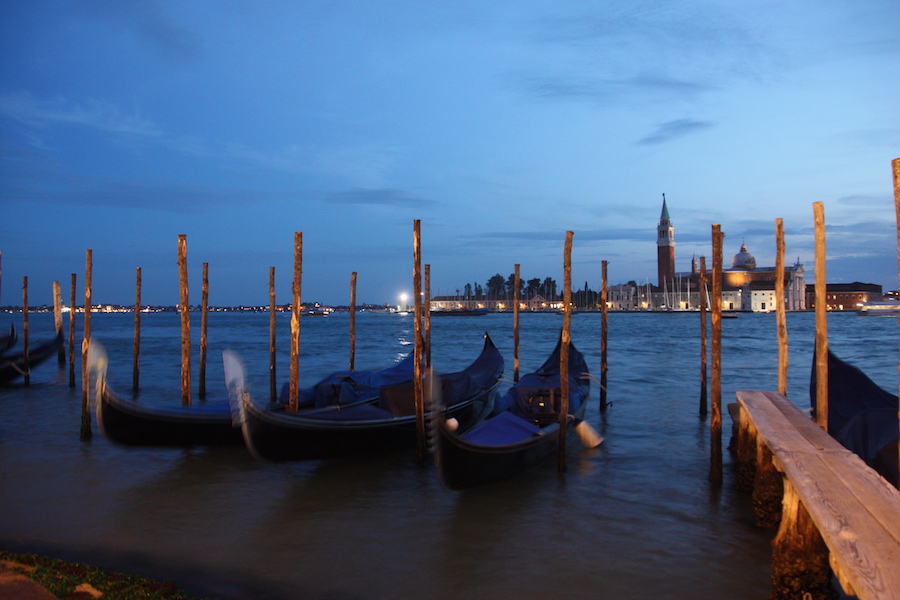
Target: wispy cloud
(98, 114)
(675, 129)
(379, 197)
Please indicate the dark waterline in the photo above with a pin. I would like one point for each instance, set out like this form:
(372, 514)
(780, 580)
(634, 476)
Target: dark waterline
(635, 518)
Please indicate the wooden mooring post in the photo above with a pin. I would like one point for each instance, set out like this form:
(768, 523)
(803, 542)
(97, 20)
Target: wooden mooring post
(273, 384)
(85, 345)
(516, 277)
(565, 340)
(418, 350)
(26, 366)
(72, 310)
(204, 324)
(58, 321)
(353, 320)
(780, 308)
(185, 321)
(294, 390)
(604, 331)
(895, 165)
(426, 311)
(715, 426)
(821, 319)
(703, 341)
(136, 367)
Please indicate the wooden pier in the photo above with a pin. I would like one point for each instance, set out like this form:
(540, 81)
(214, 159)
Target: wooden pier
(836, 514)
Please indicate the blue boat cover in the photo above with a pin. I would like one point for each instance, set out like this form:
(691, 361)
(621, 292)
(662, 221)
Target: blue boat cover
(505, 428)
(347, 387)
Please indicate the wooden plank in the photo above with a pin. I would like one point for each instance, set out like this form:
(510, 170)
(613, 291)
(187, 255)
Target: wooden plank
(856, 511)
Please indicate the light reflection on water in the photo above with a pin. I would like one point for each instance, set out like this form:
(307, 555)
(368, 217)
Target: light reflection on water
(632, 519)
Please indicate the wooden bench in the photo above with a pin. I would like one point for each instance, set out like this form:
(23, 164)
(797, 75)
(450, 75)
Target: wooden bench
(836, 514)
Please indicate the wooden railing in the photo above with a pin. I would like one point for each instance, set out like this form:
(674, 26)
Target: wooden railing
(836, 514)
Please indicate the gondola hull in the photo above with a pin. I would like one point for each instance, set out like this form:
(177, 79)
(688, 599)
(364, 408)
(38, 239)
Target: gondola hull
(134, 424)
(506, 445)
(386, 422)
(14, 366)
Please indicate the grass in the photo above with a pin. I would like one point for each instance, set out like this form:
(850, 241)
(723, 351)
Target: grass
(71, 581)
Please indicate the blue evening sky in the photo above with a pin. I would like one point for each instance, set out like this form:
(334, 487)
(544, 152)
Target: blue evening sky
(499, 124)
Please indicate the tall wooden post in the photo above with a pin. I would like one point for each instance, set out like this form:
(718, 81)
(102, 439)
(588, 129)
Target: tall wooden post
(780, 308)
(58, 321)
(604, 331)
(703, 353)
(565, 339)
(715, 427)
(273, 388)
(295, 323)
(136, 367)
(821, 319)
(516, 327)
(418, 383)
(353, 320)
(72, 310)
(185, 321)
(426, 311)
(85, 345)
(204, 323)
(895, 164)
(27, 367)
(273, 384)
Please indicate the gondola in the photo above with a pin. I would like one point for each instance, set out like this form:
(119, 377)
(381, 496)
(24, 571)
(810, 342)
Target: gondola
(13, 366)
(861, 415)
(385, 420)
(522, 432)
(134, 423)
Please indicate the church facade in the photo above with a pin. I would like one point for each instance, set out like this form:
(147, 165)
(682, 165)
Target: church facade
(745, 286)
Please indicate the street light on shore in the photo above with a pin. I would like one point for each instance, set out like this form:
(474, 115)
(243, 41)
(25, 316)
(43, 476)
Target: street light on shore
(402, 306)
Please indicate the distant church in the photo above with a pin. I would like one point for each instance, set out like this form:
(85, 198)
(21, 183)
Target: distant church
(744, 285)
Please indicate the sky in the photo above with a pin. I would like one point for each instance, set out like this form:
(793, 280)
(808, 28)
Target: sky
(500, 125)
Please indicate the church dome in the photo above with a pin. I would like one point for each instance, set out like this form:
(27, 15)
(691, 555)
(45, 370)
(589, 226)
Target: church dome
(743, 259)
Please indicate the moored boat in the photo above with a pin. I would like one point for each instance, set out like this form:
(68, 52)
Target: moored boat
(13, 366)
(861, 415)
(382, 420)
(522, 432)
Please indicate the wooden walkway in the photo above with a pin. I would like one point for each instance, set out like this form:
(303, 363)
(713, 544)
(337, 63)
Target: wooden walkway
(835, 513)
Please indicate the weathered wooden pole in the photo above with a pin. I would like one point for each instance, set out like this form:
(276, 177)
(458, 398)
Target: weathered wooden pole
(426, 308)
(185, 321)
(204, 325)
(418, 350)
(273, 387)
(565, 339)
(703, 353)
(26, 366)
(295, 322)
(604, 331)
(715, 427)
(72, 310)
(353, 320)
(821, 319)
(136, 367)
(58, 321)
(85, 345)
(780, 308)
(895, 164)
(516, 328)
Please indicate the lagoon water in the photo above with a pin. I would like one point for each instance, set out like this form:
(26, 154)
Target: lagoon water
(635, 518)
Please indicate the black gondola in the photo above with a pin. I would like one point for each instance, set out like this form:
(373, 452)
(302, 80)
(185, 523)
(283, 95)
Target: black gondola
(385, 420)
(522, 432)
(861, 415)
(13, 366)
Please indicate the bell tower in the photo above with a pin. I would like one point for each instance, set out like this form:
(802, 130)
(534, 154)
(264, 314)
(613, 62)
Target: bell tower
(665, 247)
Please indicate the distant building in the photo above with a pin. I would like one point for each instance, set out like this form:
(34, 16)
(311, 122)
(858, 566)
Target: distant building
(745, 286)
(845, 296)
